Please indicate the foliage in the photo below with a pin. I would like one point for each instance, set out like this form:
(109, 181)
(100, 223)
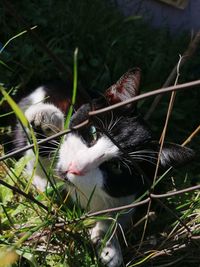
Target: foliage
(108, 44)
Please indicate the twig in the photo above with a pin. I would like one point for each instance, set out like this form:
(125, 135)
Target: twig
(171, 103)
(186, 56)
(133, 205)
(174, 193)
(152, 196)
(19, 151)
(151, 215)
(147, 95)
(188, 140)
(27, 196)
(145, 224)
(170, 107)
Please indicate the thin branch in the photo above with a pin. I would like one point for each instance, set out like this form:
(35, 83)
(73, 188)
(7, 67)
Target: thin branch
(23, 149)
(186, 56)
(195, 132)
(145, 224)
(27, 196)
(174, 193)
(101, 212)
(152, 196)
(170, 107)
(179, 87)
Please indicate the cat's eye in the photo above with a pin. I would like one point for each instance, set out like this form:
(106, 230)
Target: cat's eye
(93, 132)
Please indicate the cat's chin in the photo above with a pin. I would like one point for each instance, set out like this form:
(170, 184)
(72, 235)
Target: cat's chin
(72, 176)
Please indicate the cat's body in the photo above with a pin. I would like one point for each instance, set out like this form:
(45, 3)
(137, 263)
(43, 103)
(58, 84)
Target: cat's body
(112, 159)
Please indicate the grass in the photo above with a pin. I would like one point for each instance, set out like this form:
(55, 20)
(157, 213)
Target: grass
(55, 234)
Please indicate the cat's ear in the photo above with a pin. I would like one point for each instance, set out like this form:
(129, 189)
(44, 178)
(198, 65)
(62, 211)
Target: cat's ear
(175, 155)
(126, 87)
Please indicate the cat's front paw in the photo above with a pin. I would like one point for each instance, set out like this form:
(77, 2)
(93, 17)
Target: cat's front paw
(111, 255)
(46, 119)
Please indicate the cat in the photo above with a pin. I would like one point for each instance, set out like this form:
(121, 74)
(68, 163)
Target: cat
(110, 160)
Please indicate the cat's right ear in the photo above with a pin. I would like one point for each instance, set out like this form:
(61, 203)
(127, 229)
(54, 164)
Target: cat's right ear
(175, 155)
(125, 88)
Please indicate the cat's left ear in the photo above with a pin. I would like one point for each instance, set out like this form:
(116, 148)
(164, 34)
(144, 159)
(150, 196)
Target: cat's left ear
(126, 87)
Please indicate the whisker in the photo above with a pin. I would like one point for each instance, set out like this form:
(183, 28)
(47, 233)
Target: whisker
(11, 150)
(47, 149)
(147, 160)
(12, 142)
(103, 125)
(114, 124)
(53, 141)
(126, 165)
(143, 156)
(111, 122)
(50, 147)
(106, 123)
(144, 151)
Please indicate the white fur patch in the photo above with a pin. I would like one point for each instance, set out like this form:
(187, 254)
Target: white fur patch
(37, 96)
(110, 255)
(45, 116)
(39, 179)
(75, 151)
(87, 160)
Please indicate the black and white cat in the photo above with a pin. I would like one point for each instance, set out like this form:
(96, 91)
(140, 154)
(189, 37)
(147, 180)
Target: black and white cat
(112, 158)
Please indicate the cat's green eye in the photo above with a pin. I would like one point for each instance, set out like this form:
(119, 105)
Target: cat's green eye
(93, 132)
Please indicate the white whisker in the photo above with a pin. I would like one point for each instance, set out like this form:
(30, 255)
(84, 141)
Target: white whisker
(144, 151)
(144, 159)
(126, 165)
(103, 125)
(48, 147)
(143, 156)
(111, 122)
(116, 121)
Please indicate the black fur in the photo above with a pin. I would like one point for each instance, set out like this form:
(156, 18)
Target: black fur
(131, 134)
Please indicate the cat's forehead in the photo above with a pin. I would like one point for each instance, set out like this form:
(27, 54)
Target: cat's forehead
(108, 120)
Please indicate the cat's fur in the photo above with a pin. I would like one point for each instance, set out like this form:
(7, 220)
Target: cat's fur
(112, 158)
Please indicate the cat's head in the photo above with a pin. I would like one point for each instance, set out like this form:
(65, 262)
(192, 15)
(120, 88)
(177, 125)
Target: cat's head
(120, 136)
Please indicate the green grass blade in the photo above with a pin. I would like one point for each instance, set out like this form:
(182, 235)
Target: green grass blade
(5, 65)
(15, 107)
(74, 88)
(14, 37)
(25, 124)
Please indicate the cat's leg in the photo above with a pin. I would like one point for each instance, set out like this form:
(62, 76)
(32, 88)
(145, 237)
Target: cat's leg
(46, 120)
(109, 253)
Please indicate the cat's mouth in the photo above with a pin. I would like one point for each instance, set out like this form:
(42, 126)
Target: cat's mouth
(69, 175)
(76, 173)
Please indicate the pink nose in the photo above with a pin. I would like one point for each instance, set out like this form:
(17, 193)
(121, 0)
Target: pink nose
(74, 169)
